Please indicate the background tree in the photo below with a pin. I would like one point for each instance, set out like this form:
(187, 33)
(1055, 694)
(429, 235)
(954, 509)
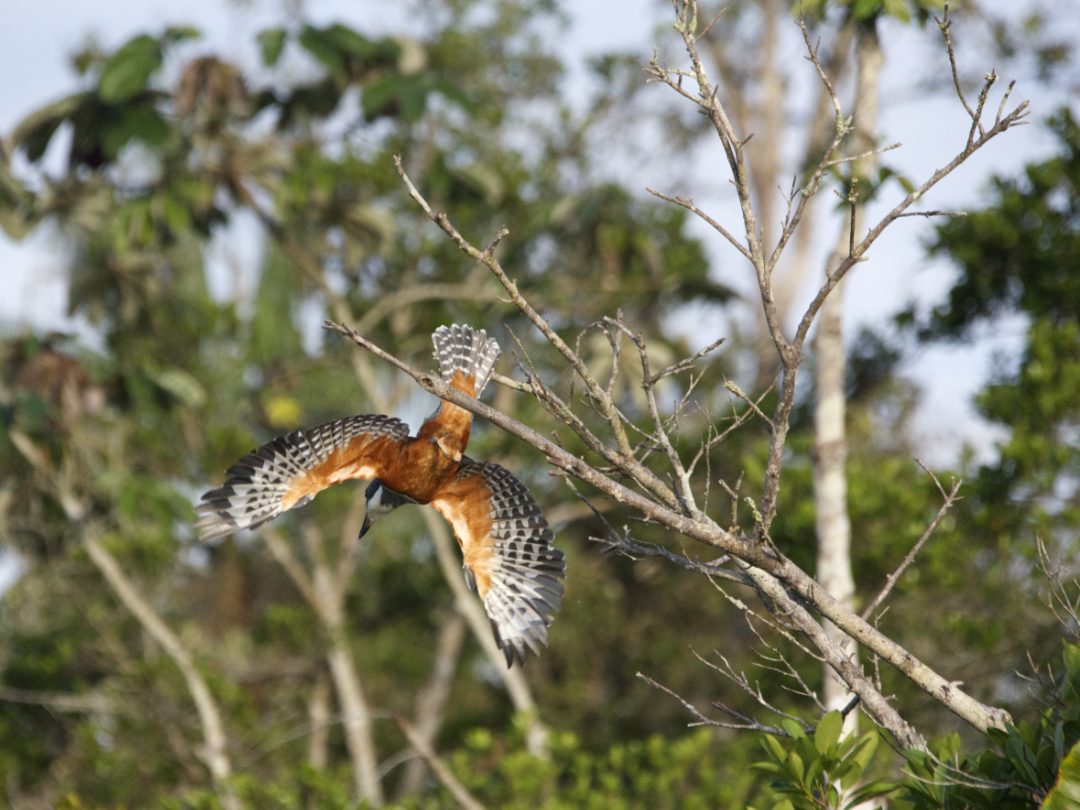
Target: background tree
(307, 644)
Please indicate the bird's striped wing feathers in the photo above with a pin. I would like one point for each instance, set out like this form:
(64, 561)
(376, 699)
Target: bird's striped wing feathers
(509, 558)
(289, 470)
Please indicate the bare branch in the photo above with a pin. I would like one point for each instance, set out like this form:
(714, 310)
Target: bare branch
(733, 387)
(934, 213)
(741, 680)
(1014, 117)
(432, 699)
(687, 362)
(945, 26)
(746, 724)
(74, 702)
(438, 767)
(861, 156)
(689, 205)
(636, 549)
(214, 752)
(511, 383)
(488, 260)
(1063, 598)
(773, 573)
(891, 580)
(682, 477)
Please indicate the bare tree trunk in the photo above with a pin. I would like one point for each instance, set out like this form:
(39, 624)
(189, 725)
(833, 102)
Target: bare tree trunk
(830, 486)
(319, 721)
(215, 750)
(355, 718)
(328, 588)
(324, 589)
(833, 524)
(431, 702)
(536, 733)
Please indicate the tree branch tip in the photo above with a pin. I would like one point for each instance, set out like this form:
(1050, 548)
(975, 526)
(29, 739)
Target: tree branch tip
(499, 236)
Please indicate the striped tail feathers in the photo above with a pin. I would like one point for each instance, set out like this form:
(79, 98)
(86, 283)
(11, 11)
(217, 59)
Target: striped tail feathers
(287, 472)
(470, 351)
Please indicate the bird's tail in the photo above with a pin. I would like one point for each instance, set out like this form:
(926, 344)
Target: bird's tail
(468, 350)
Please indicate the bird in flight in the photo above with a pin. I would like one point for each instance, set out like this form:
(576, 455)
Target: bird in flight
(510, 561)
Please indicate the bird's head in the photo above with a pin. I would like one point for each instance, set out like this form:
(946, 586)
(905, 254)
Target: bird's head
(380, 500)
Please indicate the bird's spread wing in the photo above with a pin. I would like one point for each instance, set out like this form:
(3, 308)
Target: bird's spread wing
(290, 470)
(509, 558)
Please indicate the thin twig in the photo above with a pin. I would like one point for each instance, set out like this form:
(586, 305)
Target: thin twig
(891, 580)
(689, 205)
(438, 767)
(749, 725)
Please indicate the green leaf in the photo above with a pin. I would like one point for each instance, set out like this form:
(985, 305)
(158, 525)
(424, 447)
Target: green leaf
(1066, 791)
(793, 728)
(139, 123)
(833, 795)
(796, 767)
(316, 42)
(897, 9)
(34, 133)
(827, 733)
(395, 95)
(350, 41)
(865, 9)
(1071, 655)
(767, 767)
(774, 747)
(271, 44)
(129, 69)
(871, 790)
(864, 751)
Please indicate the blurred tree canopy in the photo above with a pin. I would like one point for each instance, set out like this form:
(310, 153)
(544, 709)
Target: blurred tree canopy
(166, 154)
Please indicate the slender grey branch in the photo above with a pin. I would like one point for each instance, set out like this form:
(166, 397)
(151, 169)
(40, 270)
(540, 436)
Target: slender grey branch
(945, 26)
(689, 205)
(890, 581)
(77, 703)
(487, 258)
(438, 767)
(636, 549)
(686, 362)
(869, 153)
(934, 213)
(747, 724)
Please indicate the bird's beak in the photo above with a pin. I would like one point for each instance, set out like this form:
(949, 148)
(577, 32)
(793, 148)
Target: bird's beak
(365, 526)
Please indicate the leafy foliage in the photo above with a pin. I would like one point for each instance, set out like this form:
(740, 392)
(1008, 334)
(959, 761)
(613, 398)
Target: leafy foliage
(823, 769)
(1024, 765)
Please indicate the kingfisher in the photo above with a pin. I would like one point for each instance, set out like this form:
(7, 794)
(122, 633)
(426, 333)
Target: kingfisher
(509, 558)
